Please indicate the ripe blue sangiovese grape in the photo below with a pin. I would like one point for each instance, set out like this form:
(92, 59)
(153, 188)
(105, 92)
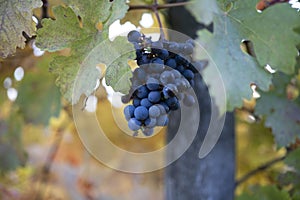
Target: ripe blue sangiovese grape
(166, 72)
(129, 111)
(141, 113)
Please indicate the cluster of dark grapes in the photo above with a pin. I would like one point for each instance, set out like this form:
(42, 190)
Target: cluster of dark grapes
(165, 74)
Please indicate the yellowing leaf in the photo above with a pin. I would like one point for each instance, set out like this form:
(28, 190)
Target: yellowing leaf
(16, 18)
(78, 73)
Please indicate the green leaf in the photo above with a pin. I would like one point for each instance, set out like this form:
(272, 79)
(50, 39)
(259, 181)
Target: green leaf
(118, 76)
(274, 43)
(88, 41)
(39, 99)
(293, 160)
(279, 110)
(290, 178)
(265, 193)
(16, 18)
(9, 158)
(12, 153)
(203, 10)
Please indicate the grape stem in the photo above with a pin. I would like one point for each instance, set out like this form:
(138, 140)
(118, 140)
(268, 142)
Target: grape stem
(154, 6)
(159, 7)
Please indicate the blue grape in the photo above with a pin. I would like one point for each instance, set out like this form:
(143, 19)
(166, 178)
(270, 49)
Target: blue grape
(167, 77)
(174, 47)
(165, 108)
(180, 68)
(171, 63)
(141, 113)
(154, 96)
(176, 73)
(152, 84)
(157, 61)
(191, 41)
(133, 36)
(154, 111)
(136, 102)
(189, 100)
(146, 103)
(140, 73)
(157, 65)
(188, 49)
(171, 101)
(134, 124)
(192, 83)
(143, 60)
(139, 53)
(162, 120)
(157, 88)
(188, 74)
(163, 54)
(129, 111)
(148, 131)
(142, 92)
(150, 122)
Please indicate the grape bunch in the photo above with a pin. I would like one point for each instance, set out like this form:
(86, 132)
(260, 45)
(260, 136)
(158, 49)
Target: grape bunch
(165, 74)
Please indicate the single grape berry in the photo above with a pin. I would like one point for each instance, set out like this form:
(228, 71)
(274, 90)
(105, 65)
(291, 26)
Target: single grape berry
(133, 124)
(154, 96)
(162, 120)
(152, 84)
(171, 63)
(150, 122)
(134, 36)
(154, 111)
(136, 102)
(142, 92)
(148, 131)
(129, 111)
(141, 113)
(188, 74)
(146, 103)
(188, 100)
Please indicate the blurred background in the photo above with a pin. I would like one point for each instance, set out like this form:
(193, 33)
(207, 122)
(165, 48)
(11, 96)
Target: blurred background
(42, 157)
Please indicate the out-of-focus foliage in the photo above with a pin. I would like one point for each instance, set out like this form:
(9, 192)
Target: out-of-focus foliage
(38, 98)
(266, 193)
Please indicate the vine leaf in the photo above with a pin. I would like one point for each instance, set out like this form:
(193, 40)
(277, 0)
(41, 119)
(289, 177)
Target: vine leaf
(88, 40)
(203, 10)
(293, 160)
(276, 107)
(271, 34)
(16, 18)
(269, 192)
(118, 74)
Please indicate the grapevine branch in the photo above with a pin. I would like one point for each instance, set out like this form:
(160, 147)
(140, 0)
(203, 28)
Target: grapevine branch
(45, 9)
(49, 159)
(155, 5)
(262, 168)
